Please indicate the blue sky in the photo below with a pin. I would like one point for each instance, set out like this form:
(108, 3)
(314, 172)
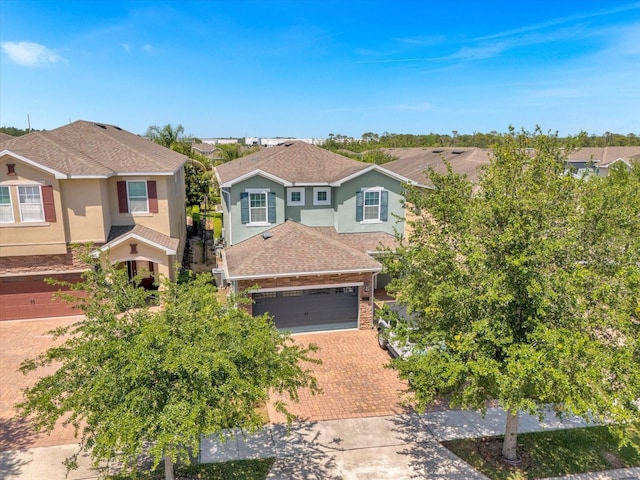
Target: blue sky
(310, 68)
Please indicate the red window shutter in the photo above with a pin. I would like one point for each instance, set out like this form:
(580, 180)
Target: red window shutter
(122, 197)
(152, 193)
(47, 202)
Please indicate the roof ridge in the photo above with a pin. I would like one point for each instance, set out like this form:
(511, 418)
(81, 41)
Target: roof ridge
(103, 133)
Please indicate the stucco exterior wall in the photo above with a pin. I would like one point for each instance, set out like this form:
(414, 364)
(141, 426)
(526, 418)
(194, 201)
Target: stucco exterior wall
(30, 238)
(176, 198)
(310, 214)
(156, 221)
(86, 210)
(345, 201)
(240, 231)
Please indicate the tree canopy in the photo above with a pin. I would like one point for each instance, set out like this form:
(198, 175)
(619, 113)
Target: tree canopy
(525, 287)
(136, 379)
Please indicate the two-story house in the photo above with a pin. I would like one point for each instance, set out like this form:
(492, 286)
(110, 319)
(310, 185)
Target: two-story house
(303, 225)
(84, 183)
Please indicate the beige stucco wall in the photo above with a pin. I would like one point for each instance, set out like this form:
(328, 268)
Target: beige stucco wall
(85, 217)
(156, 221)
(176, 198)
(86, 209)
(170, 219)
(33, 238)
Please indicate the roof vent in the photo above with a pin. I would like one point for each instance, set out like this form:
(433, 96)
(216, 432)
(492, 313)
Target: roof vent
(100, 125)
(457, 152)
(438, 151)
(267, 235)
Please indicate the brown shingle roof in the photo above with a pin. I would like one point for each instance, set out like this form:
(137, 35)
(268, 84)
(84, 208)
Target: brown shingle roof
(118, 232)
(294, 249)
(5, 136)
(363, 242)
(294, 162)
(603, 155)
(93, 149)
(412, 162)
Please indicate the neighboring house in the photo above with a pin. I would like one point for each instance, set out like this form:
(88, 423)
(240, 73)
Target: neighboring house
(274, 142)
(204, 149)
(303, 225)
(598, 160)
(413, 163)
(84, 182)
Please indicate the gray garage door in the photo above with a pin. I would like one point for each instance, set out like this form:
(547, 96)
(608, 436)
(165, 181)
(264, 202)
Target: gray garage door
(310, 310)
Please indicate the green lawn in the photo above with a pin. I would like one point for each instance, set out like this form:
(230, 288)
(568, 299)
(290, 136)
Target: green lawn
(233, 470)
(549, 454)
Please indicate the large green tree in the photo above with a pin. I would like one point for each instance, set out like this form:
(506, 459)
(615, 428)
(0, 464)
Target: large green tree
(135, 379)
(525, 287)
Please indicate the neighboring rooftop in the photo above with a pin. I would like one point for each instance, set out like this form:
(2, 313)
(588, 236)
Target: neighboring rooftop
(413, 162)
(94, 149)
(5, 136)
(603, 156)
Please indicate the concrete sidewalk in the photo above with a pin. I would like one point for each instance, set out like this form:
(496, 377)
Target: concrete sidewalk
(398, 447)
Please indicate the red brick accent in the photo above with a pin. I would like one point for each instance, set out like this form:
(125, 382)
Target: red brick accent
(366, 298)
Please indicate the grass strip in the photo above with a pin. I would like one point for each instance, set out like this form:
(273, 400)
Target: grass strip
(550, 453)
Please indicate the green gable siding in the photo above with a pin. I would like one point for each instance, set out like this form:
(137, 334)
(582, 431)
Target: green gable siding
(233, 221)
(346, 202)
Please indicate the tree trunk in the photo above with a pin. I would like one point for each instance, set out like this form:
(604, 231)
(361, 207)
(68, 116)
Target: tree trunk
(168, 468)
(511, 436)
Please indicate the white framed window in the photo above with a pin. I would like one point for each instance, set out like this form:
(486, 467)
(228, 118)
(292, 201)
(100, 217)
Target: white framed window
(322, 195)
(295, 197)
(30, 201)
(137, 196)
(371, 212)
(372, 205)
(258, 207)
(6, 206)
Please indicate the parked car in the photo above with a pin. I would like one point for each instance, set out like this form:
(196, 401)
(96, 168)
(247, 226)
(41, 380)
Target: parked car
(394, 325)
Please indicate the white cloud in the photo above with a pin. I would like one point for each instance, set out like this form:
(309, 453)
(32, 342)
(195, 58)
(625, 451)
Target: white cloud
(126, 47)
(30, 54)
(147, 48)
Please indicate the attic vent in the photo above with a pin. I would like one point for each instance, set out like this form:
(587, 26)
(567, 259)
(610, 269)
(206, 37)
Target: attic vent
(117, 128)
(100, 125)
(438, 151)
(288, 144)
(457, 152)
(267, 235)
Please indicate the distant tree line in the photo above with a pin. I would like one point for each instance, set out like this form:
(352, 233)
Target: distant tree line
(370, 141)
(16, 132)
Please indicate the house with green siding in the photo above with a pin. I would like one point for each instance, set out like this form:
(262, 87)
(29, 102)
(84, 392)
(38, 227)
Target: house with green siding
(302, 227)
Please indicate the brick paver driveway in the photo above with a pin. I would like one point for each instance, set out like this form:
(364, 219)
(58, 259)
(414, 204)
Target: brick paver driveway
(352, 377)
(19, 340)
